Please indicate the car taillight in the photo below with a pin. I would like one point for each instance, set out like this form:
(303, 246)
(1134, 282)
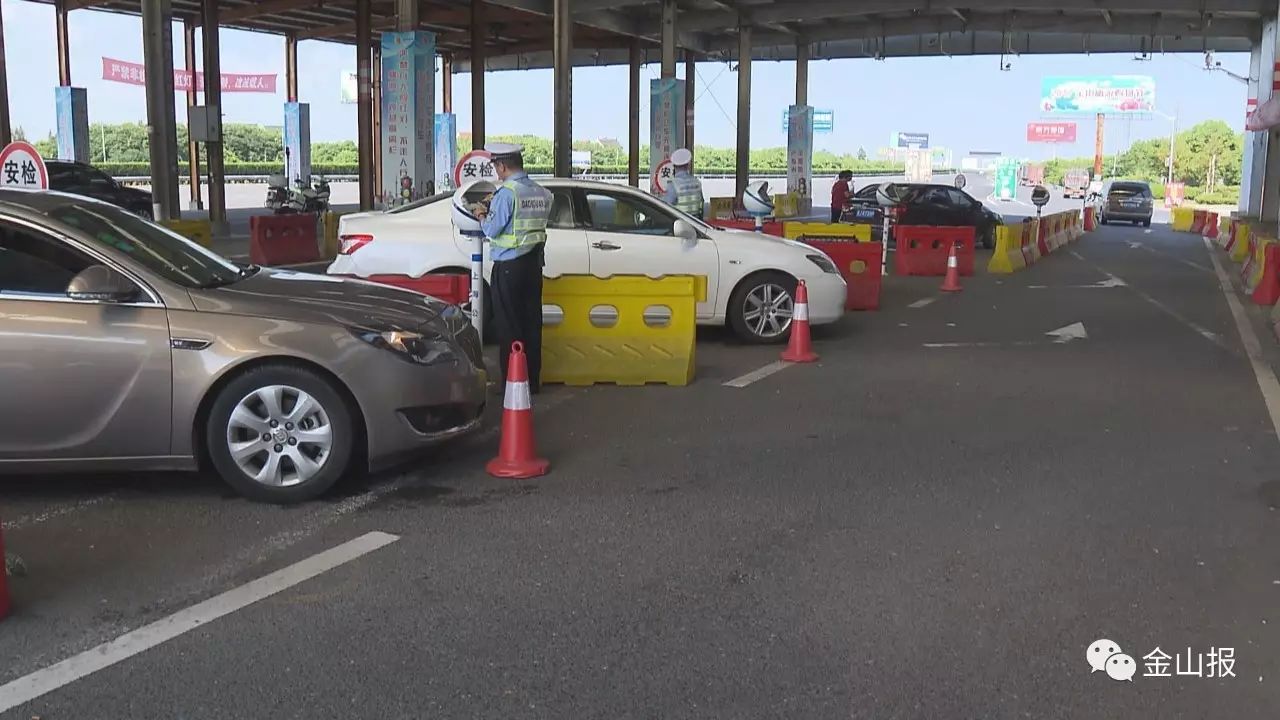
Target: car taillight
(352, 243)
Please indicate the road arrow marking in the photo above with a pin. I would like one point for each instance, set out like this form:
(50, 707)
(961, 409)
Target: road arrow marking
(1061, 336)
(1111, 282)
(1065, 334)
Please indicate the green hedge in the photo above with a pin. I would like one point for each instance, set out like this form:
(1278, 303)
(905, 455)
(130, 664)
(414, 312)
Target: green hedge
(236, 169)
(1220, 196)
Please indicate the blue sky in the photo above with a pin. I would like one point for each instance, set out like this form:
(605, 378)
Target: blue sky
(964, 103)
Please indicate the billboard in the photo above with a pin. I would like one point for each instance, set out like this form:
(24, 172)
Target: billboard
(909, 139)
(823, 120)
(1091, 94)
(1051, 132)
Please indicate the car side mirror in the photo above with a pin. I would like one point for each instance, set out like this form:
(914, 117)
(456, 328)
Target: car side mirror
(102, 284)
(684, 230)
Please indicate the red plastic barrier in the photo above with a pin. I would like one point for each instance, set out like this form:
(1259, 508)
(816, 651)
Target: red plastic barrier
(1090, 222)
(859, 265)
(1028, 242)
(1268, 290)
(1040, 239)
(1197, 221)
(1231, 235)
(772, 227)
(4, 582)
(1211, 225)
(451, 287)
(923, 250)
(283, 239)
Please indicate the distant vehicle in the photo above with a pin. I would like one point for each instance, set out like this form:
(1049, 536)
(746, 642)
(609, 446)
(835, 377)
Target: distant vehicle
(927, 204)
(1030, 175)
(89, 181)
(1075, 183)
(1124, 200)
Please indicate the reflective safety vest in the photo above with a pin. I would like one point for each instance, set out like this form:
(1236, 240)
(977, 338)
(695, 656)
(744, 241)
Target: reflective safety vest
(529, 215)
(688, 193)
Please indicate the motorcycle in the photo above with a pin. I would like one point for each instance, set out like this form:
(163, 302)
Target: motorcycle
(277, 194)
(313, 199)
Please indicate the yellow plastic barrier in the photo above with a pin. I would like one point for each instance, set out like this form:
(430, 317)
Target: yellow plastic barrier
(1183, 218)
(1240, 251)
(720, 208)
(1257, 265)
(198, 231)
(329, 243)
(801, 230)
(786, 205)
(1224, 230)
(637, 348)
(1007, 257)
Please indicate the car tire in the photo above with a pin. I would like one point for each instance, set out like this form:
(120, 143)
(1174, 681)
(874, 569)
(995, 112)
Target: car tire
(747, 298)
(1146, 223)
(988, 239)
(324, 434)
(146, 214)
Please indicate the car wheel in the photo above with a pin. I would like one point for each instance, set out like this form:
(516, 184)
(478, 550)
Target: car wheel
(1146, 223)
(145, 214)
(761, 308)
(988, 240)
(280, 434)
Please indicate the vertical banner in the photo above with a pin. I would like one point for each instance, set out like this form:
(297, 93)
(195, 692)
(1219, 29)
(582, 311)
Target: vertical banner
(800, 154)
(297, 143)
(408, 116)
(446, 149)
(666, 123)
(72, 106)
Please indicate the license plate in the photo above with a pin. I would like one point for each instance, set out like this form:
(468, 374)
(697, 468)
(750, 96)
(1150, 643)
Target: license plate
(865, 214)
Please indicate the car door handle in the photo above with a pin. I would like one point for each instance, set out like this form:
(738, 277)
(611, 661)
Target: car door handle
(605, 245)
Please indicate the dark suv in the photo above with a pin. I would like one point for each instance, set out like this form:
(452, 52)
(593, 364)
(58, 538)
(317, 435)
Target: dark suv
(87, 180)
(1126, 200)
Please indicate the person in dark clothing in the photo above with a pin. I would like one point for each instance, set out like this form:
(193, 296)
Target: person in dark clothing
(840, 192)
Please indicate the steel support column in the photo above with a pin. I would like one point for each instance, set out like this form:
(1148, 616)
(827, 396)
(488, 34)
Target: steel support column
(406, 15)
(213, 99)
(1255, 145)
(479, 31)
(376, 92)
(668, 38)
(364, 103)
(291, 67)
(1268, 87)
(690, 90)
(157, 53)
(633, 106)
(562, 150)
(64, 42)
(6, 130)
(742, 174)
(193, 147)
(802, 72)
(446, 81)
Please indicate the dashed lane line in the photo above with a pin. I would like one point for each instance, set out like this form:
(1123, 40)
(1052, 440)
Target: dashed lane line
(39, 683)
(922, 302)
(758, 374)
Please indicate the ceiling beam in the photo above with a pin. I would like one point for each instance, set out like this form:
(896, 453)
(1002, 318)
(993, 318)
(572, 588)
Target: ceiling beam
(613, 21)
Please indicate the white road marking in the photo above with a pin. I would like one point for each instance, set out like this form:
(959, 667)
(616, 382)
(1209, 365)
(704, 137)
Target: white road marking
(1061, 336)
(1074, 331)
(1266, 377)
(758, 374)
(922, 302)
(28, 688)
(1161, 253)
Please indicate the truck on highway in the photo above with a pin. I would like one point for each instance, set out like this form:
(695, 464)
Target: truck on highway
(1075, 183)
(1031, 174)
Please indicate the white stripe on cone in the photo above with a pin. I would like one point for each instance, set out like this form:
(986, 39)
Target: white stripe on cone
(951, 260)
(801, 312)
(517, 397)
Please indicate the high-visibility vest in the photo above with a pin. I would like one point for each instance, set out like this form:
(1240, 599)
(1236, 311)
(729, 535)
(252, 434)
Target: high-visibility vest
(529, 215)
(688, 193)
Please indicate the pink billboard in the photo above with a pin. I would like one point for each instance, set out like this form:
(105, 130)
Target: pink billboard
(1051, 132)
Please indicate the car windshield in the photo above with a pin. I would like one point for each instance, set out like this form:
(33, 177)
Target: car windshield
(159, 249)
(1130, 190)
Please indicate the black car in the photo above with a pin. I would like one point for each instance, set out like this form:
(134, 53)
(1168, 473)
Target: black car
(87, 180)
(926, 204)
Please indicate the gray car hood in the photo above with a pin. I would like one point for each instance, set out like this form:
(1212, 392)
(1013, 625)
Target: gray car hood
(307, 297)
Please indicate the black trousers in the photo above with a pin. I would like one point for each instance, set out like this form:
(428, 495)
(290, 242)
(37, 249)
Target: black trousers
(516, 292)
(835, 214)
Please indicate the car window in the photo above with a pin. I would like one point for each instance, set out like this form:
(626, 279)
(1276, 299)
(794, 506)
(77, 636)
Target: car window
(1130, 190)
(934, 196)
(62, 176)
(960, 199)
(622, 214)
(95, 176)
(867, 191)
(157, 248)
(32, 263)
(562, 209)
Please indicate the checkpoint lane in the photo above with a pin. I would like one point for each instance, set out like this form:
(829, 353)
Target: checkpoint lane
(889, 531)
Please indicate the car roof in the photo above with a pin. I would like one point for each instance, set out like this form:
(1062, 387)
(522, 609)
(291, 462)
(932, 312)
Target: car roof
(40, 201)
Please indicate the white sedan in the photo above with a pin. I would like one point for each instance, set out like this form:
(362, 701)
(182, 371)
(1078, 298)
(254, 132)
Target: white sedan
(603, 229)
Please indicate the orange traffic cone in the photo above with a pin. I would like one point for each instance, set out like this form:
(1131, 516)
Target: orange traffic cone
(799, 349)
(4, 581)
(951, 283)
(517, 458)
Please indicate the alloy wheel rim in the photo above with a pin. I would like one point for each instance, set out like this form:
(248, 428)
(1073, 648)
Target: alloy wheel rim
(768, 310)
(279, 436)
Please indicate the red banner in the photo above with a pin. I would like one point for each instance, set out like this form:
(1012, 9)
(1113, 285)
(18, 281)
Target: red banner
(135, 74)
(1063, 132)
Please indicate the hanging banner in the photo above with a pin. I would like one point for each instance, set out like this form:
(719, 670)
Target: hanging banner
(408, 116)
(297, 143)
(666, 122)
(135, 74)
(800, 153)
(348, 87)
(446, 148)
(72, 105)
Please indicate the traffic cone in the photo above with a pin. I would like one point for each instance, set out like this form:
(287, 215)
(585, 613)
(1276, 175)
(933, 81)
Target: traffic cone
(517, 458)
(799, 349)
(951, 283)
(4, 581)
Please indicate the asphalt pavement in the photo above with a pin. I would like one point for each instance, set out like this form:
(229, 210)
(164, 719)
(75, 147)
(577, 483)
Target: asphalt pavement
(934, 521)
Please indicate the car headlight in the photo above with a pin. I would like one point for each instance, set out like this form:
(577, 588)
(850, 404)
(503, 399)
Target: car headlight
(823, 262)
(412, 346)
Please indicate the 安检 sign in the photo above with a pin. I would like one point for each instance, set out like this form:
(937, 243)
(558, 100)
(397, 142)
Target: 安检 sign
(661, 176)
(1106, 94)
(475, 165)
(22, 167)
(1051, 132)
(909, 140)
(823, 121)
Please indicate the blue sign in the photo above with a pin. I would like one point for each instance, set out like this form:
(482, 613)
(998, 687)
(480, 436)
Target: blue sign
(666, 122)
(297, 142)
(72, 105)
(446, 149)
(408, 116)
(910, 140)
(824, 121)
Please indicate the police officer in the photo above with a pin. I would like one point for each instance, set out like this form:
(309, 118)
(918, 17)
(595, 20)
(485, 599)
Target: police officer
(684, 190)
(516, 225)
